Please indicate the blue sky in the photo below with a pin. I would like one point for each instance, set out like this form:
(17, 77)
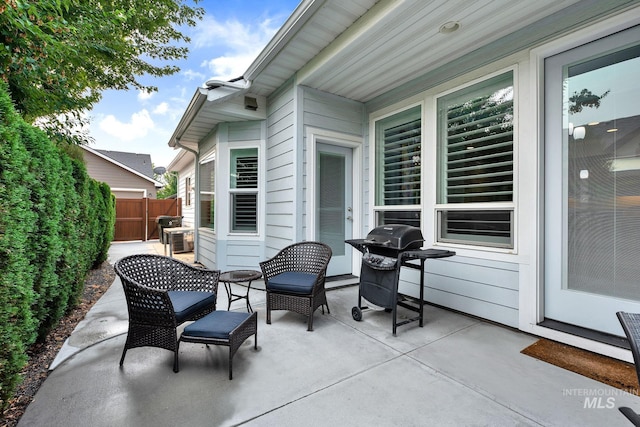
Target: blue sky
(223, 45)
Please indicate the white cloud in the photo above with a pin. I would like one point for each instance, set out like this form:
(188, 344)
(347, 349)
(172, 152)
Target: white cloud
(143, 95)
(161, 108)
(229, 66)
(194, 75)
(243, 43)
(138, 127)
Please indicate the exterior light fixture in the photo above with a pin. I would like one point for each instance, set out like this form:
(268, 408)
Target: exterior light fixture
(449, 27)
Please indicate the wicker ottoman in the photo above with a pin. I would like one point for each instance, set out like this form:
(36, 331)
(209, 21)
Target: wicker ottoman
(228, 328)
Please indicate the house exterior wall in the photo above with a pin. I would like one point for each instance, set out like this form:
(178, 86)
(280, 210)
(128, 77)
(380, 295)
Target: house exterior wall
(282, 177)
(496, 284)
(238, 250)
(123, 183)
(479, 281)
(502, 285)
(220, 248)
(341, 116)
(206, 239)
(188, 203)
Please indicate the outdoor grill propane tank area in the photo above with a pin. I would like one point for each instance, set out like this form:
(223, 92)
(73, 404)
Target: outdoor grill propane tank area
(385, 250)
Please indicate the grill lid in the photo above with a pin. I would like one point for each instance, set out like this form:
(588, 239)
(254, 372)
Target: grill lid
(395, 236)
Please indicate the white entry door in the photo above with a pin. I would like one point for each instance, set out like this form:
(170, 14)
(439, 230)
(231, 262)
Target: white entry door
(334, 204)
(592, 183)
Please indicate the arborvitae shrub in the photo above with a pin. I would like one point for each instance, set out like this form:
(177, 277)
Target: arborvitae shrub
(55, 224)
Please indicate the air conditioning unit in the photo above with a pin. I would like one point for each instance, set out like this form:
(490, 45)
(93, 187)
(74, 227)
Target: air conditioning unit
(182, 242)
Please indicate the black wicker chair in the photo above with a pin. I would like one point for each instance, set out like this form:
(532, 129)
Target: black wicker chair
(294, 279)
(631, 325)
(163, 293)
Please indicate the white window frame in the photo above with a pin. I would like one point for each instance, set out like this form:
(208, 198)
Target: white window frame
(379, 209)
(234, 191)
(533, 279)
(439, 208)
(208, 159)
(188, 187)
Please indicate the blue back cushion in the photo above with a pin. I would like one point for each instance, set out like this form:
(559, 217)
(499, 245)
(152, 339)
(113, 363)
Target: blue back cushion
(187, 304)
(292, 282)
(217, 324)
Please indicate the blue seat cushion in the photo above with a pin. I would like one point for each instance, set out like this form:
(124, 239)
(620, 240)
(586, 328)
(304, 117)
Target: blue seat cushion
(293, 282)
(187, 304)
(217, 324)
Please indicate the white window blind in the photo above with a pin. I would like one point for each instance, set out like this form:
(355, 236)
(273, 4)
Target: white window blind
(207, 194)
(477, 129)
(398, 165)
(475, 168)
(187, 191)
(244, 185)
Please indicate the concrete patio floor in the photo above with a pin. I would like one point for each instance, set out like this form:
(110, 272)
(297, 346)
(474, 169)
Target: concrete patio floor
(454, 371)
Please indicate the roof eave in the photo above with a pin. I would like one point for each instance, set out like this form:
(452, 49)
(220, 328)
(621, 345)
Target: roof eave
(192, 110)
(305, 10)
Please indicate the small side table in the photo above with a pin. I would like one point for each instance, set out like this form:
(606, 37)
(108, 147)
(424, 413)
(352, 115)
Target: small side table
(239, 277)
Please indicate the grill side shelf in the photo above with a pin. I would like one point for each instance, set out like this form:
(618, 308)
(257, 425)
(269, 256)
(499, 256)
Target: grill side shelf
(426, 253)
(357, 244)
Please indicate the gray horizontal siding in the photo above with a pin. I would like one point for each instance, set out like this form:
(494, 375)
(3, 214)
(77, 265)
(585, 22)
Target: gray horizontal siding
(207, 249)
(327, 111)
(243, 254)
(483, 288)
(280, 171)
(245, 131)
(333, 113)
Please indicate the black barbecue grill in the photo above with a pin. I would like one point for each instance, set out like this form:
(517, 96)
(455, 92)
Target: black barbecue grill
(385, 250)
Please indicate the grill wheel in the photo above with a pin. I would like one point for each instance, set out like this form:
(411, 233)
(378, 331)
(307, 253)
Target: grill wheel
(356, 313)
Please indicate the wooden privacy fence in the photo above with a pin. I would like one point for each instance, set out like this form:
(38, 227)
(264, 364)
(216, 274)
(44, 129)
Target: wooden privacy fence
(136, 218)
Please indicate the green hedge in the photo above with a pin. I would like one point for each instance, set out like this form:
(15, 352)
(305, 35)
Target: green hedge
(56, 223)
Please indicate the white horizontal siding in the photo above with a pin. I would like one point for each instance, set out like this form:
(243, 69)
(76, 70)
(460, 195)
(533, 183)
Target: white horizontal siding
(243, 254)
(188, 212)
(207, 249)
(326, 111)
(483, 288)
(280, 171)
(245, 131)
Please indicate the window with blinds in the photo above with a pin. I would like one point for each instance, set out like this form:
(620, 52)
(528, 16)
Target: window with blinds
(475, 152)
(187, 191)
(244, 190)
(398, 165)
(207, 194)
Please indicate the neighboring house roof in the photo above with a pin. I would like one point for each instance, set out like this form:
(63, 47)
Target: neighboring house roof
(138, 164)
(379, 52)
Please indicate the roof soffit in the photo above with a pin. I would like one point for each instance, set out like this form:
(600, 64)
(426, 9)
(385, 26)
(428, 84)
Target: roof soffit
(395, 42)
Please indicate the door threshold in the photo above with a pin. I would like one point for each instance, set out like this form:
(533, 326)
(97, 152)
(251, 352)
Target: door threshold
(589, 334)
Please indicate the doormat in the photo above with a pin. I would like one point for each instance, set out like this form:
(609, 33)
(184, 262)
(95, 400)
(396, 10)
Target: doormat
(613, 372)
